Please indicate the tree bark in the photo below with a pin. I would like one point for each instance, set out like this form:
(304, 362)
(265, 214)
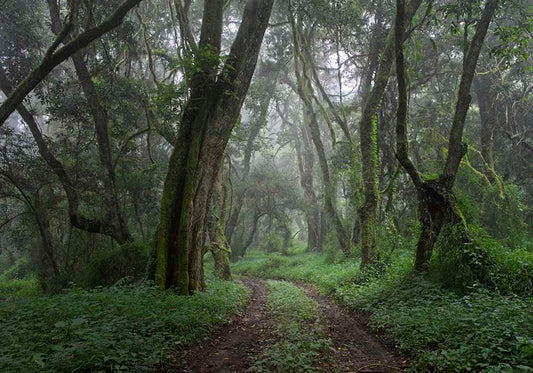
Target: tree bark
(218, 245)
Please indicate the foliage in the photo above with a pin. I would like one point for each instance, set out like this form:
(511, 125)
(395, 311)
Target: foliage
(479, 331)
(485, 261)
(300, 342)
(27, 286)
(115, 329)
(107, 267)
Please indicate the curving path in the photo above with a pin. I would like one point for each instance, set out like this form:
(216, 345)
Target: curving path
(233, 346)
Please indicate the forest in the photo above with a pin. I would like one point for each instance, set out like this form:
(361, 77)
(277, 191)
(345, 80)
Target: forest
(266, 186)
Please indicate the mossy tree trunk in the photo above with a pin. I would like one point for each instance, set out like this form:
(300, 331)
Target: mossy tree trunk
(368, 145)
(208, 119)
(218, 244)
(306, 163)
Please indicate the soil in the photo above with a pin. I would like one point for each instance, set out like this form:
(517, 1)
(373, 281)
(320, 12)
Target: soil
(233, 346)
(356, 349)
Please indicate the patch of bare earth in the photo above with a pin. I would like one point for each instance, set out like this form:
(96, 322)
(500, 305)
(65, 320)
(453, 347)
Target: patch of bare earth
(356, 349)
(230, 348)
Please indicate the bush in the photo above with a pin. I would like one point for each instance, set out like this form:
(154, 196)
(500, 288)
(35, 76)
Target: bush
(483, 261)
(106, 268)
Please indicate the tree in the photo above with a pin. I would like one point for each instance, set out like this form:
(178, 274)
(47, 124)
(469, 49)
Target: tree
(55, 56)
(216, 97)
(368, 144)
(436, 200)
(303, 71)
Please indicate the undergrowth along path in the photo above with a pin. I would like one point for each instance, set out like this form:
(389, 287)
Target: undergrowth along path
(232, 345)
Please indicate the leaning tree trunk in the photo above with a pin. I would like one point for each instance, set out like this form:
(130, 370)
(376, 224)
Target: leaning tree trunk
(207, 122)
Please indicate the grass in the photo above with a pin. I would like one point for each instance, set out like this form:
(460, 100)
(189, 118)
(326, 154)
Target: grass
(300, 344)
(112, 329)
(299, 266)
(478, 330)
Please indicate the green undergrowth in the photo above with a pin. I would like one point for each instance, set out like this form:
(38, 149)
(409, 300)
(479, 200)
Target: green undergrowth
(312, 268)
(300, 344)
(14, 282)
(477, 329)
(128, 328)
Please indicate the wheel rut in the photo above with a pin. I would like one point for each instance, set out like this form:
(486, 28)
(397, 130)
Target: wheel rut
(230, 348)
(356, 349)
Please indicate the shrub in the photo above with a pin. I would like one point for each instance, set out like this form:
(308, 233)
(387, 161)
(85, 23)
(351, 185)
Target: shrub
(106, 268)
(484, 261)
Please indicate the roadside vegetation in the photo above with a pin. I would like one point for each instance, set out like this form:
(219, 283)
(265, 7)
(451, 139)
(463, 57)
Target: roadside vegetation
(118, 328)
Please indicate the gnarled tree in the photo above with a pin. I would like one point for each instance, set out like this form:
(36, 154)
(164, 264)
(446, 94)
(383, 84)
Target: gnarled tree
(436, 200)
(216, 97)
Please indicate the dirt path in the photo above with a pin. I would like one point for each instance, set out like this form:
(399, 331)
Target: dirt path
(230, 347)
(356, 349)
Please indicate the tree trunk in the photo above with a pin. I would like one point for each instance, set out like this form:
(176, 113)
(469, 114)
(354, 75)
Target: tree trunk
(486, 99)
(436, 199)
(218, 245)
(368, 144)
(435, 206)
(306, 163)
(43, 222)
(207, 122)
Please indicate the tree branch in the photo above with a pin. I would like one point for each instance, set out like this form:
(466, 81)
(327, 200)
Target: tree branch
(51, 60)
